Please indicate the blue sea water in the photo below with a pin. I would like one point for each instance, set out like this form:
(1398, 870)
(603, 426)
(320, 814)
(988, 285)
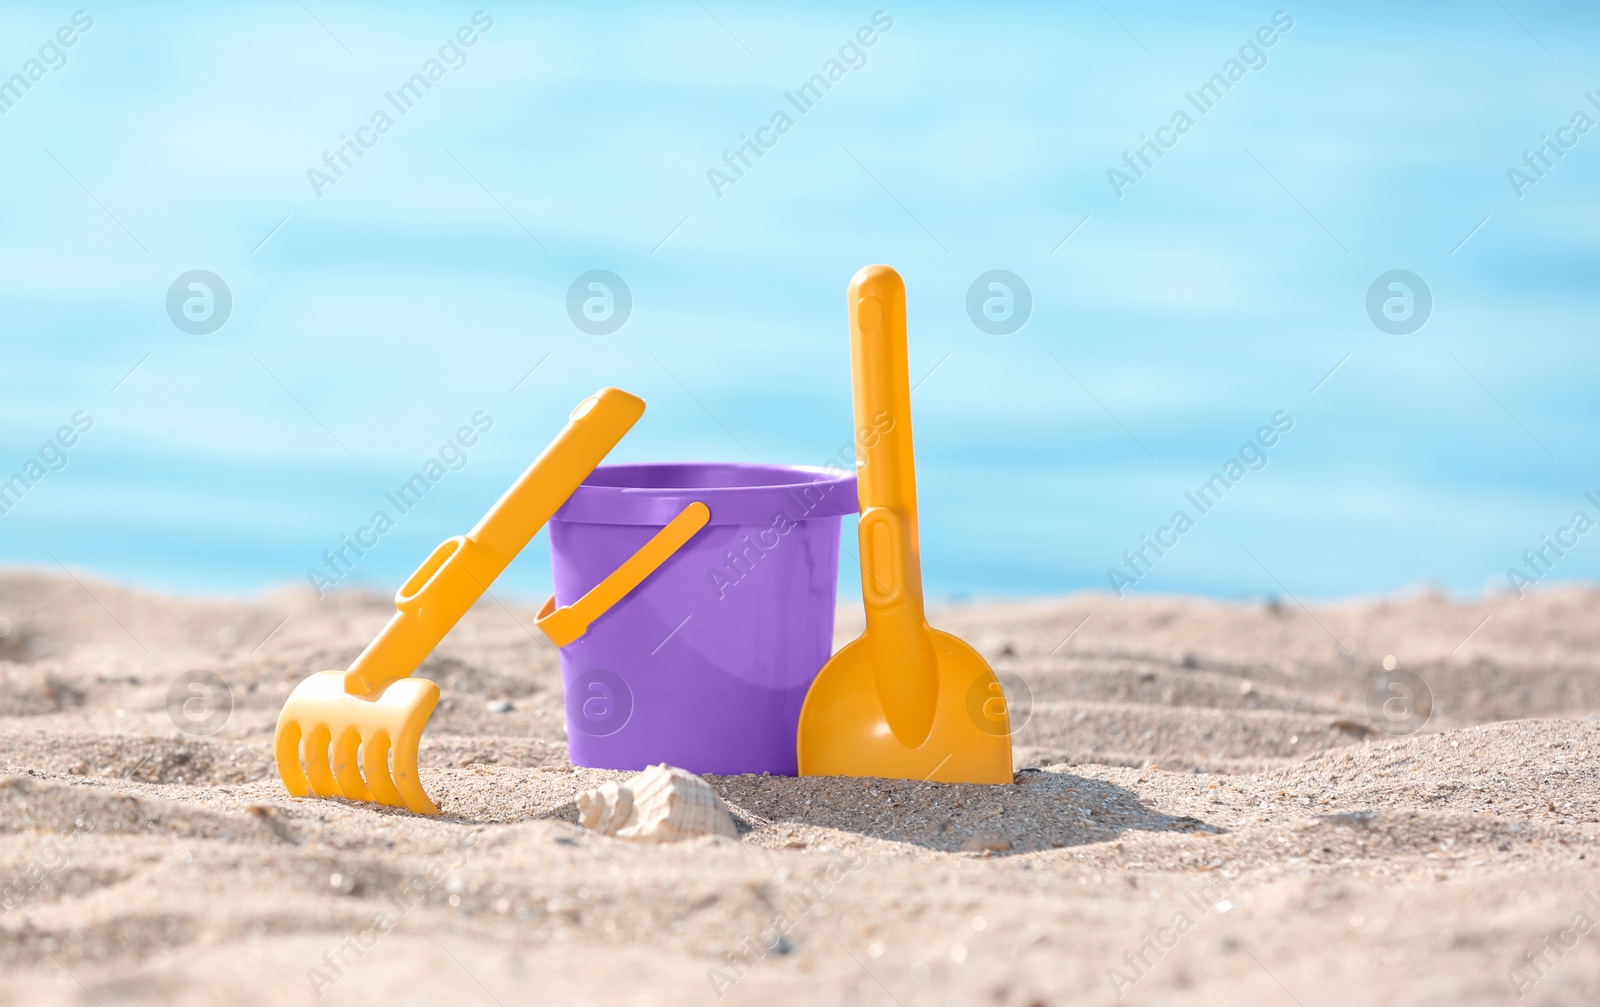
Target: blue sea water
(1176, 307)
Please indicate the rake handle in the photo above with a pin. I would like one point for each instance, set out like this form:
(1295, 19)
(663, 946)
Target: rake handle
(460, 569)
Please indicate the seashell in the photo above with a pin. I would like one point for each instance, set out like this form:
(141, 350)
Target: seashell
(663, 804)
(606, 808)
(671, 804)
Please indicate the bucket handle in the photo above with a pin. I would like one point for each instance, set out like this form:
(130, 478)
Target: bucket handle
(564, 625)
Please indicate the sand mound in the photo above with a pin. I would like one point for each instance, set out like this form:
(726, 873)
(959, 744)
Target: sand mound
(1207, 810)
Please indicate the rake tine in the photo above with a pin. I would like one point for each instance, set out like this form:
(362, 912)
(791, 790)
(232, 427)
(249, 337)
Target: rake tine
(315, 756)
(419, 708)
(405, 779)
(345, 766)
(286, 749)
(375, 762)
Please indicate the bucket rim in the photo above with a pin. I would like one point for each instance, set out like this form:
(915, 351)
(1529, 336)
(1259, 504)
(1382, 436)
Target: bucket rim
(623, 493)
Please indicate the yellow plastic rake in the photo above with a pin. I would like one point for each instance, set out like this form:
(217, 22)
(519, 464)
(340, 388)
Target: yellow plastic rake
(372, 714)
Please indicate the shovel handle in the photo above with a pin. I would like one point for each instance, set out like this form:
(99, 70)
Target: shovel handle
(905, 667)
(886, 477)
(460, 569)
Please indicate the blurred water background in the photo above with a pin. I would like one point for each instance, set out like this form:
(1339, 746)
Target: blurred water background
(1175, 309)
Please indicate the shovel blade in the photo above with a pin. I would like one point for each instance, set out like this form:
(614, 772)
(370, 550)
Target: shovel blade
(330, 743)
(843, 731)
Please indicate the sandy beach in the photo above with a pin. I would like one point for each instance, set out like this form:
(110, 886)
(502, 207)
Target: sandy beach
(1207, 810)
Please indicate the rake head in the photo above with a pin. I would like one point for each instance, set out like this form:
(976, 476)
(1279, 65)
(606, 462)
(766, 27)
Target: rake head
(332, 743)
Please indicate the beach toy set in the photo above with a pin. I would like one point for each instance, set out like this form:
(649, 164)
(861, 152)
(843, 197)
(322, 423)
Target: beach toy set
(693, 607)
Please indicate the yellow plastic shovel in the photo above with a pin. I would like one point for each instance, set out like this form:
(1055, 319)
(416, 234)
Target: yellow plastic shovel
(374, 711)
(905, 700)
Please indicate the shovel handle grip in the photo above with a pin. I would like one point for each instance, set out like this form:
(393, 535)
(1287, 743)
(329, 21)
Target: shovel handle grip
(904, 666)
(457, 573)
(886, 477)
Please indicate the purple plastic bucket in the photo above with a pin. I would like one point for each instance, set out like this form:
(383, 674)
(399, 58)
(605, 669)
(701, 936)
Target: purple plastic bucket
(705, 665)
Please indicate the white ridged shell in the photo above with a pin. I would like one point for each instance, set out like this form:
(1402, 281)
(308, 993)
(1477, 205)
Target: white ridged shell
(606, 808)
(663, 804)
